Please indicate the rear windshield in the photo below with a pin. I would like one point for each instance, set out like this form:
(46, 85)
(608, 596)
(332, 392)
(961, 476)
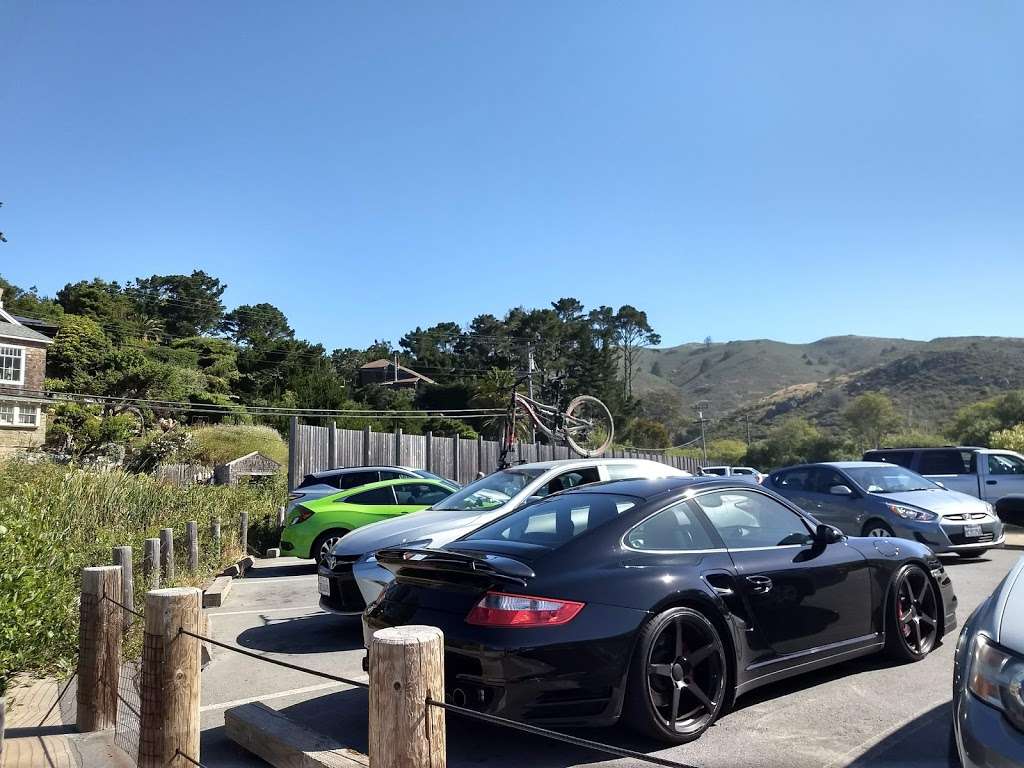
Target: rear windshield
(491, 491)
(556, 521)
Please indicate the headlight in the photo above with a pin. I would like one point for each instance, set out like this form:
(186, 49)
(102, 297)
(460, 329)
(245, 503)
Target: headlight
(996, 676)
(990, 509)
(909, 513)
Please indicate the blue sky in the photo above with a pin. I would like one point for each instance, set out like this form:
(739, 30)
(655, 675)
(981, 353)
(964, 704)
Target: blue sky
(787, 170)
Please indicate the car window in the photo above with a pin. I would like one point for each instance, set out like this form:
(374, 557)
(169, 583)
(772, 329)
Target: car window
(823, 479)
(390, 474)
(742, 471)
(747, 519)
(373, 497)
(310, 480)
(902, 458)
(717, 471)
(793, 479)
(624, 471)
(945, 463)
(570, 479)
(553, 522)
(1004, 464)
(677, 528)
(354, 479)
(420, 493)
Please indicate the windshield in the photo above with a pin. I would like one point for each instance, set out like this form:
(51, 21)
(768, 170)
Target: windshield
(891, 479)
(432, 476)
(557, 520)
(491, 491)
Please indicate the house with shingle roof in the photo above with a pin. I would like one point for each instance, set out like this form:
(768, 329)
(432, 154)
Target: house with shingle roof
(22, 370)
(391, 373)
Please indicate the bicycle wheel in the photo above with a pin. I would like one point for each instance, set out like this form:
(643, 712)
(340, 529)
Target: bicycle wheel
(588, 426)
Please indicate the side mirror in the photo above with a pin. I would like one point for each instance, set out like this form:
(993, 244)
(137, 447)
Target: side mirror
(826, 534)
(1011, 511)
(841, 490)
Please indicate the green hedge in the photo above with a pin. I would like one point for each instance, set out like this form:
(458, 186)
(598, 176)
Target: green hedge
(55, 520)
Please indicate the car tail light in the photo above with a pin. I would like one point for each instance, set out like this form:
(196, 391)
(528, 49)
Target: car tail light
(293, 496)
(304, 514)
(497, 609)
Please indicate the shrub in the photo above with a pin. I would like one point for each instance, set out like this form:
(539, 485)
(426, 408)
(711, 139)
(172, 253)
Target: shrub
(1011, 439)
(222, 443)
(55, 520)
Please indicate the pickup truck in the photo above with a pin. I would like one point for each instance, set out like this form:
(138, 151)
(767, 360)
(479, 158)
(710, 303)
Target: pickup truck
(993, 475)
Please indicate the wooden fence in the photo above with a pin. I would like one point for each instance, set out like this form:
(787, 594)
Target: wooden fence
(313, 449)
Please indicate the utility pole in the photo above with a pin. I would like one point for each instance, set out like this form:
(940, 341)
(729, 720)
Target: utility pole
(529, 386)
(701, 406)
(746, 421)
(396, 367)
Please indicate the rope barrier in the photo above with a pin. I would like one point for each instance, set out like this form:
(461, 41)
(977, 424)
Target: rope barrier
(122, 606)
(285, 664)
(59, 697)
(179, 753)
(555, 735)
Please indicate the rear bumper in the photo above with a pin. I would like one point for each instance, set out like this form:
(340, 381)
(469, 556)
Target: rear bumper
(571, 675)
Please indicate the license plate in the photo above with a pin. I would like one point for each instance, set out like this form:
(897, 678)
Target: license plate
(972, 531)
(324, 585)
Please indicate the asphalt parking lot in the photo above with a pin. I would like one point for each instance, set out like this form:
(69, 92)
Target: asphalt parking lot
(864, 712)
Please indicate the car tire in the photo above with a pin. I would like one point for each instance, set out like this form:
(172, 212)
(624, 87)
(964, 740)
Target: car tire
(876, 527)
(320, 548)
(972, 553)
(913, 614)
(678, 681)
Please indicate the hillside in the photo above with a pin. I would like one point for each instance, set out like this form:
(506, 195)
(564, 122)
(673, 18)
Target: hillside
(766, 380)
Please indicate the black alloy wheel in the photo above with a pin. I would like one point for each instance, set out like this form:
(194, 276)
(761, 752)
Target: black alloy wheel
(679, 677)
(324, 544)
(913, 627)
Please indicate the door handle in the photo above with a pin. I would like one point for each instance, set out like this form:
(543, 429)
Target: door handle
(991, 482)
(759, 585)
(722, 591)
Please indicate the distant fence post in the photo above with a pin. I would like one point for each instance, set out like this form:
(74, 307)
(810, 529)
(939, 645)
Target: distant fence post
(151, 563)
(480, 454)
(192, 541)
(455, 459)
(243, 532)
(99, 648)
(215, 535)
(293, 452)
(169, 690)
(398, 446)
(167, 553)
(406, 668)
(123, 558)
(332, 445)
(280, 517)
(367, 431)
(428, 451)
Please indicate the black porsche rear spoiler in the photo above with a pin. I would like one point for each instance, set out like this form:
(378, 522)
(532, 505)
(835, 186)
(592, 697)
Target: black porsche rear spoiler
(401, 560)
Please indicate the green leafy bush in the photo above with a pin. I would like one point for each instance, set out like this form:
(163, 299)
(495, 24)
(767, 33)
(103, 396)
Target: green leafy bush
(221, 443)
(1011, 439)
(55, 520)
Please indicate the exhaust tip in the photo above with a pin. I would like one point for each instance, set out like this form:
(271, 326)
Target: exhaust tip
(459, 697)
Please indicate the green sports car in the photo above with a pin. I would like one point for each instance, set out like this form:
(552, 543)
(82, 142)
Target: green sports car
(314, 527)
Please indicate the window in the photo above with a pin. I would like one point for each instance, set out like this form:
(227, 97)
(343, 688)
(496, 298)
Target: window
(425, 494)
(793, 479)
(569, 480)
(676, 529)
(374, 497)
(12, 364)
(355, 479)
(719, 471)
(624, 471)
(823, 480)
(903, 458)
(388, 474)
(743, 471)
(751, 520)
(556, 521)
(946, 463)
(1004, 464)
(15, 415)
(491, 491)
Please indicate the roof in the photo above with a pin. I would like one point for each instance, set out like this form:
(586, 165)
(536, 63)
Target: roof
(385, 363)
(252, 455)
(560, 463)
(20, 332)
(850, 464)
(647, 488)
(347, 470)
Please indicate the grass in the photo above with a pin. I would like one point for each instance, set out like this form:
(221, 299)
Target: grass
(55, 520)
(222, 443)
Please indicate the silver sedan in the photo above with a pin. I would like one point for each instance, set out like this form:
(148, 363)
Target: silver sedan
(988, 678)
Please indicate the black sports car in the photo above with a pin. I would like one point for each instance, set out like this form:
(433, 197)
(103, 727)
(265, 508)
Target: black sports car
(660, 601)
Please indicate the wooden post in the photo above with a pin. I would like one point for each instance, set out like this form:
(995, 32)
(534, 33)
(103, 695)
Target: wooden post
(332, 445)
(167, 553)
(398, 446)
(99, 648)
(280, 517)
(406, 667)
(123, 558)
(169, 688)
(293, 452)
(479, 455)
(366, 445)
(455, 458)
(243, 532)
(151, 564)
(428, 451)
(192, 541)
(215, 535)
